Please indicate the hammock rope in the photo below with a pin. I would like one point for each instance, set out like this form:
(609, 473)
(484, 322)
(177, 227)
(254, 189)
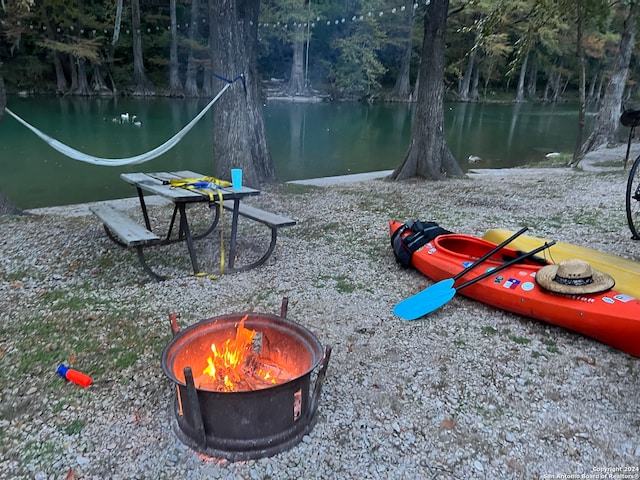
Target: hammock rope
(118, 162)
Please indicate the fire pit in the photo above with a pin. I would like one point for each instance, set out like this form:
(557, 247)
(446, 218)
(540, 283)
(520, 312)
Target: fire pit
(243, 383)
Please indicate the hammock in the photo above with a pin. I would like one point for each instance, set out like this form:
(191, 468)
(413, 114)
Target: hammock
(118, 162)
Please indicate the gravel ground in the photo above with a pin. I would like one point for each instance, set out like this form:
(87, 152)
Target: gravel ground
(468, 392)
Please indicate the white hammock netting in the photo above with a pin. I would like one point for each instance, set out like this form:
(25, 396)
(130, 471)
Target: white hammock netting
(118, 162)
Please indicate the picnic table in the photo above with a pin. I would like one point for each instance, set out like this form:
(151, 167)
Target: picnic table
(192, 188)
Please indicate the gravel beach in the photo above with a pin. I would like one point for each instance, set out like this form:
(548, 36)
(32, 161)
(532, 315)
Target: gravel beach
(467, 392)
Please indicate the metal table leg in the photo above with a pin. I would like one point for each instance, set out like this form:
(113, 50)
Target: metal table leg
(143, 205)
(184, 227)
(234, 231)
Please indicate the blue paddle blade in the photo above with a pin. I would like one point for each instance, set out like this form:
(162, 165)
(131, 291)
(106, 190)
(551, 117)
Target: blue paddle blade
(411, 308)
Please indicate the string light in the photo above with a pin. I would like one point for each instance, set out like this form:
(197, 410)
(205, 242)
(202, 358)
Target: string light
(293, 25)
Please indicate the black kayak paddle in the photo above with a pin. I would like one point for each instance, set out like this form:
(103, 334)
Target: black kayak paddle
(409, 307)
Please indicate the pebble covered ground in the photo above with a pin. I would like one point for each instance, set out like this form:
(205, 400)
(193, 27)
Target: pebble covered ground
(467, 392)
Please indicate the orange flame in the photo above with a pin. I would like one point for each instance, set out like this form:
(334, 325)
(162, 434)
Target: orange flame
(233, 365)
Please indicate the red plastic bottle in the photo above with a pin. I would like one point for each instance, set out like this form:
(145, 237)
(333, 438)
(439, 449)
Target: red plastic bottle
(74, 376)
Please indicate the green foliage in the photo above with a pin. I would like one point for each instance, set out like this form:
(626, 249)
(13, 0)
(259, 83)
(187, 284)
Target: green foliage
(355, 47)
(358, 69)
(79, 48)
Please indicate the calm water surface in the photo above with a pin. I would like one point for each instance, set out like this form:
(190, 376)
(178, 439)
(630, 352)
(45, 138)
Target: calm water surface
(306, 141)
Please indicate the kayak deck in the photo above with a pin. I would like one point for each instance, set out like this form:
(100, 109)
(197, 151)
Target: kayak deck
(625, 272)
(611, 317)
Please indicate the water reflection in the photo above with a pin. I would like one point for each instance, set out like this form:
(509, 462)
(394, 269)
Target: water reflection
(306, 140)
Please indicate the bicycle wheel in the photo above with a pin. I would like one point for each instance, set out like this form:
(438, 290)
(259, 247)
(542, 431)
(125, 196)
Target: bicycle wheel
(633, 199)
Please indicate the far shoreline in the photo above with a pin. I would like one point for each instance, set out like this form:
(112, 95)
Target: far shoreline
(82, 209)
(599, 160)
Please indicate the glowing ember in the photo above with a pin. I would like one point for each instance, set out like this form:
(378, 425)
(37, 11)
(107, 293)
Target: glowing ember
(235, 366)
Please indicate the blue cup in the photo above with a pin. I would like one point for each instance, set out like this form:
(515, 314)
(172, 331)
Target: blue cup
(236, 178)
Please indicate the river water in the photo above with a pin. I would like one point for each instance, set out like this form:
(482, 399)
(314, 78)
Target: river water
(306, 140)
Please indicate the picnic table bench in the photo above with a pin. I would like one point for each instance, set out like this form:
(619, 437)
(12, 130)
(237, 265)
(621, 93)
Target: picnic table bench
(129, 233)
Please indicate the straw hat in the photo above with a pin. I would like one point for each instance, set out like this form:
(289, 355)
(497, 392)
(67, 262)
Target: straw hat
(573, 276)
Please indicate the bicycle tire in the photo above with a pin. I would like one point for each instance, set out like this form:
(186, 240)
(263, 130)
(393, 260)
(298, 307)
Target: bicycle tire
(633, 199)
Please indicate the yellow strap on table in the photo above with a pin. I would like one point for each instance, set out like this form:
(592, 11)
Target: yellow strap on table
(189, 184)
(181, 182)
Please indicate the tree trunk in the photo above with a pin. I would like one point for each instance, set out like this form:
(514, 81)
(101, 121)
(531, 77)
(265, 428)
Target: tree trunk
(475, 96)
(487, 78)
(61, 80)
(3, 98)
(239, 137)
(465, 84)
(598, 94)
(606, 121)
(175, 85)
(416, 86)
(142, 85)
(554, 86)
(592, 87)
(523, 70)
(296, 79)
(402, 88)
(207, 79)
(74, 73)
(533, 77)
(83, 84)
(428, 155)
(191, 85)
(6, 207)
(547, 88)
(114, 42)
(116, 28)
(98, 84)
(582, 107)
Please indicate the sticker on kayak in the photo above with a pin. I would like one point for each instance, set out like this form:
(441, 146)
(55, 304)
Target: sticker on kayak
(608, 300)
(621, 297)
(528, 286)
(512, 284)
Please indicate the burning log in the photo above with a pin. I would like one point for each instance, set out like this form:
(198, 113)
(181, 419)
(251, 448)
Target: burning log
(237, 366)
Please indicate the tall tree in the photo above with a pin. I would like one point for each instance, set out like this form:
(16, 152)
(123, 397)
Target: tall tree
(175, 84)
(464, 86)
(582, 104)
(606, 121)
(523, 70)
(3, 98)
(142, 85)
(402, 87)
(429, 155)
(239, 135)
(191, 86)
(297, 84)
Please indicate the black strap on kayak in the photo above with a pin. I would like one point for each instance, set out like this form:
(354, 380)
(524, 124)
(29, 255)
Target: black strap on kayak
(422, 233)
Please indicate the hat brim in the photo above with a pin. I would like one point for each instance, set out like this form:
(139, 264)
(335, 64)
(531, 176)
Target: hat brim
(545, 278)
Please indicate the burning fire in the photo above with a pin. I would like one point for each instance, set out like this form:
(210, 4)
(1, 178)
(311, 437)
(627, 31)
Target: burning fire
(235, 366)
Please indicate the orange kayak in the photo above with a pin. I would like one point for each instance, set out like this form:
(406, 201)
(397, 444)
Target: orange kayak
(611, 317)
